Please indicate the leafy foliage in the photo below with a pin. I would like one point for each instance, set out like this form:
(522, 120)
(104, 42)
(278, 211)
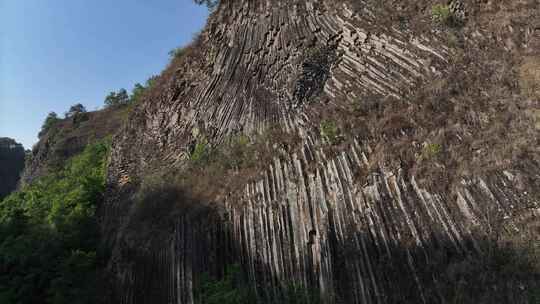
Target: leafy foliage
(329, 130)
(140, 89)
(122, 98)
(432, 150)
(442, 14)
(51, 120)
(49, 234)
(117, 98)
(233, 289)
(211, 4)
(200, 152)
(75, 109)
(137, 92)
(226, 290)
(176, 52)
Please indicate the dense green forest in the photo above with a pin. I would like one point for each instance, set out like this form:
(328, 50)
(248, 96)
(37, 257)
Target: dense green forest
(49, 237)
(49, 234)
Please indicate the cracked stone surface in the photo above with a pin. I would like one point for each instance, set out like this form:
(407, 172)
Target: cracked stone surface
(354, 242)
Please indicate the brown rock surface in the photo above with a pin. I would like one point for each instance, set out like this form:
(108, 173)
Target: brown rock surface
(346, 215)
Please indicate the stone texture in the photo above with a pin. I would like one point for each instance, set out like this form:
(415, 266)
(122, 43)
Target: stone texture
(308, 219)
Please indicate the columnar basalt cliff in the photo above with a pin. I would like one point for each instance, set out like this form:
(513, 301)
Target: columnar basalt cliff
(12, 156)
(387, 164)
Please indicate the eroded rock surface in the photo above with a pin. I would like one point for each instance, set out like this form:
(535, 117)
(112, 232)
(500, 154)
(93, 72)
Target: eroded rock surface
(308, 218)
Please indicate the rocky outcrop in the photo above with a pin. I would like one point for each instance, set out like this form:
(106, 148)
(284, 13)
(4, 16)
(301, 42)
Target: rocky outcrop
(12, 157)
(69, 137)
(329, 214)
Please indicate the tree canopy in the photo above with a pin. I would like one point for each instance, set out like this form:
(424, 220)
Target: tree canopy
(75, 109)
(209, 3)
(50, 121)
(117, 98)
(49, 234)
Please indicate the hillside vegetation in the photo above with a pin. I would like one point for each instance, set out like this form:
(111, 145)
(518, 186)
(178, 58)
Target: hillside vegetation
(326, 152)
(49, 234)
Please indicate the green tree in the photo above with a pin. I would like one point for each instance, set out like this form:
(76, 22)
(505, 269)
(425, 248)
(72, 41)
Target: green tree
(117, 98)
(139, 89)
(150, 82)
(49, 234)
(75, 109)
(209, 3)
(137, 92)
(51, 120)
(176, 52)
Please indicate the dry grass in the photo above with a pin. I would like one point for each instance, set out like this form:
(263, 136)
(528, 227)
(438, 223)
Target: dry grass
(529, 81)
(216, 173)
(474, 114)
(529, 77)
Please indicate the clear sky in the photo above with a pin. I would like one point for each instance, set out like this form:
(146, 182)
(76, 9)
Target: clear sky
(55, 53)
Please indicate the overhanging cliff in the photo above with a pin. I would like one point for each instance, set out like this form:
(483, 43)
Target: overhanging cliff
(391, 148)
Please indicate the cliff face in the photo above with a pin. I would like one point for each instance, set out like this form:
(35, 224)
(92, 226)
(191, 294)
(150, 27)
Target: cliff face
(69, 137)
(12, 156)
(400, 144)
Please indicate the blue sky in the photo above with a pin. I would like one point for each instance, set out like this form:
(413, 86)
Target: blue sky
(55, 53)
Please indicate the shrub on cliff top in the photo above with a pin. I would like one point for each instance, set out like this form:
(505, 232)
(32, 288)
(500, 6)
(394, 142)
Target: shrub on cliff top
(75, 109)
(51, 120)
(211, 4)
(117, 98)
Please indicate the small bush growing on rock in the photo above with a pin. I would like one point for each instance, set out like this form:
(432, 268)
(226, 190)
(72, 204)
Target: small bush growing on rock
(227, 290)
(211, 4)
(176, 52)
(441, 14)
(200, 152)
(299, 294)
(232, 288)
(529, 77)
(316, 66)
(432, 150)
(239, 152)
(139, 90)
(329, 130)
(51, 120)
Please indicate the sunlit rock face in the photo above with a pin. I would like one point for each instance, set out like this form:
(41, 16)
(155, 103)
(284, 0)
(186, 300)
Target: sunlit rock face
(12, 156)
(307, 218)
(68, 138)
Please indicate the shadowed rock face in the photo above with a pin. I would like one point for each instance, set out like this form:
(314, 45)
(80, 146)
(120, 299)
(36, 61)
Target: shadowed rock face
(12, 156)
(307, 219)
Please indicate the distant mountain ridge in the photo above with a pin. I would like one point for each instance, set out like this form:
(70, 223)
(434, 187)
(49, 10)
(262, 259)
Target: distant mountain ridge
(12, 157)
